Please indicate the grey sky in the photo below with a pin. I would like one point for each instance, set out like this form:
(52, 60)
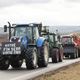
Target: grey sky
(51, 12)
(4, 3)
(73, 0)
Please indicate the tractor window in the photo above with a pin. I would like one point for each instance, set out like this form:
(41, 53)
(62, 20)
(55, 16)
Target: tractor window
(46, 36)
(56, 38)
(36, 33)
(20, 31)
(29, 32)
(66, 40)
(23, 31)
(51, 38)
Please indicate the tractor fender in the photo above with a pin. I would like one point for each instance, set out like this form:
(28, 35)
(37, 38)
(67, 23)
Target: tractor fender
(40, 41)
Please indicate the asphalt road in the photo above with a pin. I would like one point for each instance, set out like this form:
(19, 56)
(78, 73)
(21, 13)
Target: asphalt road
(24, 74)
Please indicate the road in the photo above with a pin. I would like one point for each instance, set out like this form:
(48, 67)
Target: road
(24, 74)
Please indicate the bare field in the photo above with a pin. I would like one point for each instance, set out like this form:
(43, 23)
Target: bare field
(71, 72)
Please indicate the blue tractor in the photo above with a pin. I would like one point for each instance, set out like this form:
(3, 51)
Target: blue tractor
(25, 44)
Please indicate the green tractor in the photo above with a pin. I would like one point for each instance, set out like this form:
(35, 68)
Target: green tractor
(25, 44)
(55, 46)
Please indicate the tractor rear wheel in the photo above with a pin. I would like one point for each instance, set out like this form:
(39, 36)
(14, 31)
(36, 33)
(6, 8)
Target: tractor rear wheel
(31, 58)
(43, 55)
(60, 54)
(4, 64)
(73, 56)
(77, 53)
(55, 56)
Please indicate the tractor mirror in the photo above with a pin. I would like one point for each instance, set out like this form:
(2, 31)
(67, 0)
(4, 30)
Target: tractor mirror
(5, 28)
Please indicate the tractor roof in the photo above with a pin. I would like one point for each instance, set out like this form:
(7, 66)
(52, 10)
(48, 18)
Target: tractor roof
(52, 33)
(48, 33)
(26, 25)
(66, 36)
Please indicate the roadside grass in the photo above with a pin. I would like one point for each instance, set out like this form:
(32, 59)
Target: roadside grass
(71, 72)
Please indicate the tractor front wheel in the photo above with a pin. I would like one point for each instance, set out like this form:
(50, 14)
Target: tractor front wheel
(43, 55)
(4, 64)
(31, 58)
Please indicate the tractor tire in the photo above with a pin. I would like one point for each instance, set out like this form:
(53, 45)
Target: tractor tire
(31, 58)
(16, 63)
(73, 56)
(60, 55)
(43, 55)
(55, 56)
(77, 53)
(4, 64)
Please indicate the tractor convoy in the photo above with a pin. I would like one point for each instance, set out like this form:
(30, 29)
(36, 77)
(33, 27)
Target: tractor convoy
(25, 44)
(34, 44)
(28, 43)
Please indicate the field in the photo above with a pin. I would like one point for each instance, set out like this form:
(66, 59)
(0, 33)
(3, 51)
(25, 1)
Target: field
(71, 72)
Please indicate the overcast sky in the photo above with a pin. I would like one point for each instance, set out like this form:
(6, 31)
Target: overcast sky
(50, 12)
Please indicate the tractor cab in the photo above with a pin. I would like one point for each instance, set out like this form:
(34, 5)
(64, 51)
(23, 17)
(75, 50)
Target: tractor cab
(31, 32)
(51, 38)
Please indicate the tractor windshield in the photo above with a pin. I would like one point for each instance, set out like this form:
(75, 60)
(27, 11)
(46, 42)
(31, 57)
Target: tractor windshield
(45, 36)
(66, 40)
(23, 31)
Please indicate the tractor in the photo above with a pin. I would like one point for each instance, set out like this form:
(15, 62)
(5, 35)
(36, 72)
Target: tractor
(55, 46)
(71, 46)
(25, 44)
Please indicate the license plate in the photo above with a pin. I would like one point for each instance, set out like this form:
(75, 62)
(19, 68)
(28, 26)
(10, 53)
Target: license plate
(11, 48)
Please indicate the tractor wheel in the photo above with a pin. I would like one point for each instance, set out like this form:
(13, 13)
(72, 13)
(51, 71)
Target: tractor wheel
(73, 56)
(60, 55)
(55, 56)
(43, 55)
(16, 63)
(4, 64)
(77, 53)
(31, 58)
